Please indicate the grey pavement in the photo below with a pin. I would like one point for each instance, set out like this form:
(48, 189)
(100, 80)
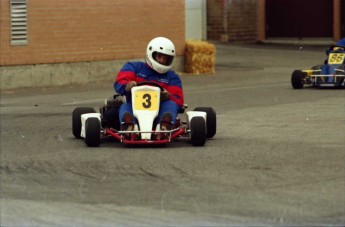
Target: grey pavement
(277, 158)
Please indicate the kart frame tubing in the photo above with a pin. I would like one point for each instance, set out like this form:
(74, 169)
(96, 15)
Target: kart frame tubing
(116, 135)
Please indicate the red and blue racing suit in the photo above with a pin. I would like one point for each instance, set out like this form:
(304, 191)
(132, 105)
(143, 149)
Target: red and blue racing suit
(140, 72)
(330, 69)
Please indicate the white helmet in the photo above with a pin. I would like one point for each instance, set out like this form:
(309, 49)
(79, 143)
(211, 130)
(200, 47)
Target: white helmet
(160, 45)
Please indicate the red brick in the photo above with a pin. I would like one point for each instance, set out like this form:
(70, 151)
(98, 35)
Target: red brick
(241, 20)
(74, 30)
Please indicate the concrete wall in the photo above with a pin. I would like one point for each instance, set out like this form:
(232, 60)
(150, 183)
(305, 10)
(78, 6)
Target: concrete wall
(56, 74)
(196, 19)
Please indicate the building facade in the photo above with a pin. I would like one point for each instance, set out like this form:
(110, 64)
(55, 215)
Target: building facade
(57, 42)
(53, 34)
(258, 20)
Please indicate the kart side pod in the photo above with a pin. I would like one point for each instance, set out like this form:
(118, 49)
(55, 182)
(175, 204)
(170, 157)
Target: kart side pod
(191, 114)
(84, 117)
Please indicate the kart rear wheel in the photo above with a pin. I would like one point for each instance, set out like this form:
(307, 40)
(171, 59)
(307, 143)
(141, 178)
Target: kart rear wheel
(297, 79)
(211, 121)
(93, 132)
(76, 119)
(198, 131)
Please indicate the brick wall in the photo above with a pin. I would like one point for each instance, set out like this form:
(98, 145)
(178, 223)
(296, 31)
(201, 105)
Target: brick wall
(90, 30)
(240, 23)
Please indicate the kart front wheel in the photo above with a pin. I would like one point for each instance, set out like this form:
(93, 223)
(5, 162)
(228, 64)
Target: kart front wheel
(211, 121)
(76, 119)
(93, 132)
(297, 79)
(198, 131)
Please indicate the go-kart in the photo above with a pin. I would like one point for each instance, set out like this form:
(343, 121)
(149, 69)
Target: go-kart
(199, 124)
(330, 74)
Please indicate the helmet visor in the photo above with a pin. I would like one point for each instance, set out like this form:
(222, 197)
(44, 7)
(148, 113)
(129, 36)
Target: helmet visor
(163, 59)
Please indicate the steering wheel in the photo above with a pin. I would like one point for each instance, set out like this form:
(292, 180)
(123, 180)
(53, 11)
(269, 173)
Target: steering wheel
(150, 83)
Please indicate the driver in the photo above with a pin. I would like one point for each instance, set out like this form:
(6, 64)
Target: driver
(340, 42)
(326, 68)
(160, 53)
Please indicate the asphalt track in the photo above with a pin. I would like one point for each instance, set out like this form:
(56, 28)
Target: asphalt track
(277, 158)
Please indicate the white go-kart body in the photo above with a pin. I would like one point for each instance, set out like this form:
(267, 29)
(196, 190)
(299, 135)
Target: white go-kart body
(199, 125)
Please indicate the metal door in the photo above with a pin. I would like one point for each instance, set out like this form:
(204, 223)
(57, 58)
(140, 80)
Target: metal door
(297, 18)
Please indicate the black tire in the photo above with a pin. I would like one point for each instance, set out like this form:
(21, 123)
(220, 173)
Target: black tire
(297, 79)
(76, 119)
(198, 131)
(93, 132)
(211, 121)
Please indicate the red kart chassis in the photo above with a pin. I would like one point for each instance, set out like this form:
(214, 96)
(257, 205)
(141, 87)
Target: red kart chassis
(200, 124)
(132, 138)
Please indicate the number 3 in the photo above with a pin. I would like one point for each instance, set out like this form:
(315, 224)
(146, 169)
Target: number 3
(147, 98)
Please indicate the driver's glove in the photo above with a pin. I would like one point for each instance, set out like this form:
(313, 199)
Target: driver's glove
(164, 95)
(129, 85)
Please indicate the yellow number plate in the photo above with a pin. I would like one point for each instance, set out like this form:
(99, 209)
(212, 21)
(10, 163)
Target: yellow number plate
(146, 100)
(336, 58)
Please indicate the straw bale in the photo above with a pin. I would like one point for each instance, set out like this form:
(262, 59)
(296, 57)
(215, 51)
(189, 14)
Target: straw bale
(200, 57)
